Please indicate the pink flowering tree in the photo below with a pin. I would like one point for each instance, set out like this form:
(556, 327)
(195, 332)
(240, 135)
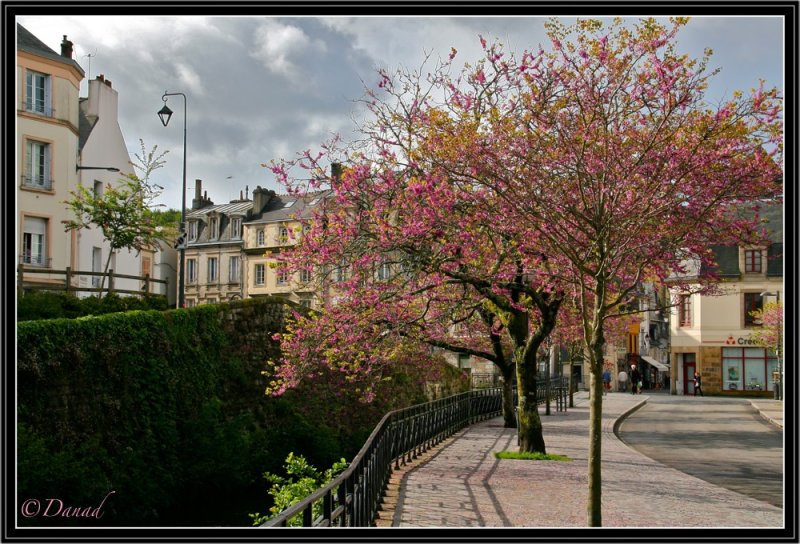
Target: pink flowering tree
(614, 164)
(770, 335)
(580, 171)
(404, 252)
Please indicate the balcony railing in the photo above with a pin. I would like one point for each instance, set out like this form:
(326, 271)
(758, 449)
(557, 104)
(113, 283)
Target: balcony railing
(37, 182)
(35, 260)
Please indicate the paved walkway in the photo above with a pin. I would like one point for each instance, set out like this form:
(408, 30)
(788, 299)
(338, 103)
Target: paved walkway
(461, 484)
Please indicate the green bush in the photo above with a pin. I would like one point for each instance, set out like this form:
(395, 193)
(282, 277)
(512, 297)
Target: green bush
(53, 305)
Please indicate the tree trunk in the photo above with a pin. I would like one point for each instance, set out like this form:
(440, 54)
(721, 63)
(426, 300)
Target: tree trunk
(531, 438)
(509, 418)
(595, 436)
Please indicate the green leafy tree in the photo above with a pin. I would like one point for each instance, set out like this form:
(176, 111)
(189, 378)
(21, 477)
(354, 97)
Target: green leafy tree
(122, 212)
(301, 481)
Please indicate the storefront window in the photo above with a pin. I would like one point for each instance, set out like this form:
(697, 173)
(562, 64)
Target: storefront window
(747, 369)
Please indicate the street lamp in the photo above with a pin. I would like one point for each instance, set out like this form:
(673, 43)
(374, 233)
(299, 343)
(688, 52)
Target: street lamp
(165, 114)
(779, 391)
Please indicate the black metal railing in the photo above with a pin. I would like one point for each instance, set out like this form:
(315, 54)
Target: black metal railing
(353, 499)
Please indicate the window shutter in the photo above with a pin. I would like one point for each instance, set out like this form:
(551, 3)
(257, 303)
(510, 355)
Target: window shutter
(775, 260)
(46, 174)
(48, 103)
(28, 91)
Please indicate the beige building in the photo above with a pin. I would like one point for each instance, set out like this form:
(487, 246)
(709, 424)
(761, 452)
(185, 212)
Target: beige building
(46, 155)
(713, 334)
(278, 226)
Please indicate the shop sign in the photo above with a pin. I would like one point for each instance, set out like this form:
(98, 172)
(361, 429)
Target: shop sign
(741, 341)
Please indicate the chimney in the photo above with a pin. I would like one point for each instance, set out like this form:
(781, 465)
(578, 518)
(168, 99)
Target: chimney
(336, 170)
(66, 47)
(197, 201)
(261, 198)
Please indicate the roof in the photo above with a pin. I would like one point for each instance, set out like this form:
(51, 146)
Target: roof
(291, 207)
(31, 44)
(85, 126)
(232, 208)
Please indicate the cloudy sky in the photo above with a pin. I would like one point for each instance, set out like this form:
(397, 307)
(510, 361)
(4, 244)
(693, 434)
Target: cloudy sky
(263, 88)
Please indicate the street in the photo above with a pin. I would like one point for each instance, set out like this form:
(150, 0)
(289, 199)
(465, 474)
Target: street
(720, 440)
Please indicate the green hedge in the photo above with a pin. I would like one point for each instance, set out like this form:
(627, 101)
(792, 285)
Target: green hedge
(53, 305)
(168, 410)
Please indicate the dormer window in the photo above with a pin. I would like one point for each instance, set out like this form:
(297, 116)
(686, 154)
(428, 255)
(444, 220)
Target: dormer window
(752, 261)
(192, 230)
(236, 228)
(213, 228)
(260, 237)
(289, 204)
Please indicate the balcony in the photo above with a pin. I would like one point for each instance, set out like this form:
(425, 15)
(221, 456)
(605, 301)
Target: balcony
(35, 260)
(37, 182)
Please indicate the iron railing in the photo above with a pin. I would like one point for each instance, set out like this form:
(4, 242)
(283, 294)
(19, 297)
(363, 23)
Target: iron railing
(353, 499)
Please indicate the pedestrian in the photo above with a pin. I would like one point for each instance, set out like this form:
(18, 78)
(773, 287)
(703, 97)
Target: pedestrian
(623, 380)
(698, 386)
(606, 381)
(636, 380)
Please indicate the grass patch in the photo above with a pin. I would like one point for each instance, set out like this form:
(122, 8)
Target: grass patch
(531, 456)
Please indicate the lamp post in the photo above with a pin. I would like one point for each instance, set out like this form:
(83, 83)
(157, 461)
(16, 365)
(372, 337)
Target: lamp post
(779, 390)
(165, 114)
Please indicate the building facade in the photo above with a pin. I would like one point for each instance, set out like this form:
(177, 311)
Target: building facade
(712, 335)
(276, 227)
(102, 146)
(47, 91)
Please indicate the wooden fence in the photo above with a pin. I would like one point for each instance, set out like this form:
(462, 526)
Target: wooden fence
(69, 275)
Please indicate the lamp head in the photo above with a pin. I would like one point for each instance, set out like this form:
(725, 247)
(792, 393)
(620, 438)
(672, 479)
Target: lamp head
(165, 114)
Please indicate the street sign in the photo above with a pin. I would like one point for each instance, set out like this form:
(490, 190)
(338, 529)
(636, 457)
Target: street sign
(180, 241)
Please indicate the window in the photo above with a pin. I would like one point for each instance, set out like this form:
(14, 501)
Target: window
(289, 204)
(37, 93)
(236, 228)
(233, 269)
(211, 300)
(260, 237)
(752, 303)
(748, 369)
(97, 265)
(98, 189)
(191, 270)
(37, 166)
(259, 273)
(305, 275)
(192, 230)
(283, 234)
(341, 271)
(752, 261)
(305, 302)
(685, 311)
(213, 271)
(190, 303)
(383, 272)
(213, 228)
(33, 241)
(282, 274)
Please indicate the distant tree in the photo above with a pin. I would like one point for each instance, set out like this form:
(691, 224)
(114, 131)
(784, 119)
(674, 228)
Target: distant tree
(770, 335)
(122, 212)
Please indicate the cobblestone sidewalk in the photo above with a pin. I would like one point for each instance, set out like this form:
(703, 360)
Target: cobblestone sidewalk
(461, 484)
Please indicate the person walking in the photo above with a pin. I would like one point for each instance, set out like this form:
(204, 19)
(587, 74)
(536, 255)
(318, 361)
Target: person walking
(623, 380)
(698, 386)
(606, 381)
(636, 380)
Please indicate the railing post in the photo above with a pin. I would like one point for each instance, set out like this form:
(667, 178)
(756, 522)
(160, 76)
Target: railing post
(68, 281)
(147, 284)
(21, 278)
(110, 281)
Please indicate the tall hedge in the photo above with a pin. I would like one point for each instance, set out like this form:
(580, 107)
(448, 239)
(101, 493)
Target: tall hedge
(167, 409)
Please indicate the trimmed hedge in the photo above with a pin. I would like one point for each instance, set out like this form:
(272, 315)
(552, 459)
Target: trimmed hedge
(168, 410)
(53, 305)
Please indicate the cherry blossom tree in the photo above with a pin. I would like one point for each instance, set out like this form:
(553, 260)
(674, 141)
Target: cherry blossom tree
(576, 172)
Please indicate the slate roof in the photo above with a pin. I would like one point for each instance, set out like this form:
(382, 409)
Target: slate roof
(302, 207)
(230, 209)
(31, 44)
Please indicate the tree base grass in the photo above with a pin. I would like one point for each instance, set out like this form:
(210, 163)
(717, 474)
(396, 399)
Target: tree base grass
(531, 456)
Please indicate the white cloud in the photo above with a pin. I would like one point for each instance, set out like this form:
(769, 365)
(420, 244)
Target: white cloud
(280, 48)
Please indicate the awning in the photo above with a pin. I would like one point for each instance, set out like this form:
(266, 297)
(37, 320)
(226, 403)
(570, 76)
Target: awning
(650, 360)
